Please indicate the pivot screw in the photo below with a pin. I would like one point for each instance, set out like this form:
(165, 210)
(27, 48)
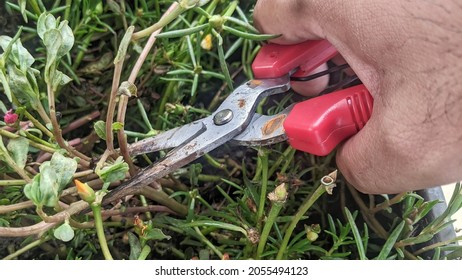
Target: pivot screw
(223, 117)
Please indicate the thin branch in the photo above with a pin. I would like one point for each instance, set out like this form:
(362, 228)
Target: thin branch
(41, 227)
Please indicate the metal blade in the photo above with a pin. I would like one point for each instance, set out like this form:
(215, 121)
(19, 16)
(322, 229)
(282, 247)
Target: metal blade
(264, 130)
(166, 140)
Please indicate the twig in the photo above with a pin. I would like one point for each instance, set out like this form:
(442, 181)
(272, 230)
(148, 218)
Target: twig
(131, 80)
(14, 207)
(174, 11)
(131, 210)
(84, 160)
(43, 226)
(81, 121)
(161, 197)
(387, 203)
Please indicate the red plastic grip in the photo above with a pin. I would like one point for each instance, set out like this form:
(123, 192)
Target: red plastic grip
(273, 61)
(319, 124)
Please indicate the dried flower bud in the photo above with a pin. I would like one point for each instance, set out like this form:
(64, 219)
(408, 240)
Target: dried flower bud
(85, 192)
(128, 89)
(279, 194)
(10, 117)
(207, 42)
(253, 235)
(329, 181)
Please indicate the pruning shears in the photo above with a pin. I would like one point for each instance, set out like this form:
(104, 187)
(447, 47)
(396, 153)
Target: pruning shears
(316, 125)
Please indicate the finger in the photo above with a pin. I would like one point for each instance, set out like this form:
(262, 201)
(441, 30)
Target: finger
(339, 60)
(290, 18)
(313, 87)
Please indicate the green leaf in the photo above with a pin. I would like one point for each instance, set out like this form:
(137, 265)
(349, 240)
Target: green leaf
(155, 234)
(182, 32)
(19, 148)
(53, 42)
(49, 185)
(116, 126)
(216, 224)
(6, 86)
(64, 168)
(124, 44)
(19, 55)
(67, 37)
(22, 5)
(32, 191)
(386, 249)
(21, 87)
(114, 172)
(135, 246)
(43, 190)
(417, 239)
(358, 238)
(44, 23)
(59, 79)
(64, 232)
(100, 129)
(250, 36)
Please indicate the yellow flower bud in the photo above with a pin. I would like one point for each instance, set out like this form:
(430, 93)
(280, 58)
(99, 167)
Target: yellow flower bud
(85, 192)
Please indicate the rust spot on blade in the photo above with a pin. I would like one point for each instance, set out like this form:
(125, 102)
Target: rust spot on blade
(272, 125)
(254, 83)
(241, 103)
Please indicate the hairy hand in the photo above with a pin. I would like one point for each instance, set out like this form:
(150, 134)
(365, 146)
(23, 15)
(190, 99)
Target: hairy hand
(409, 55)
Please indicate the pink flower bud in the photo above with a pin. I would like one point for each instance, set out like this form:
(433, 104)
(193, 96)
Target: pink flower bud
(10, 117)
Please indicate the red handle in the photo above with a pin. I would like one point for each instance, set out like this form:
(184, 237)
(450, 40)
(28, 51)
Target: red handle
(319, 124)
(273, 61)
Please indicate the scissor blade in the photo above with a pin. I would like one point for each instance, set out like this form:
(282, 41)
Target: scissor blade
(264, 130)
(166, 140)
(201, 143)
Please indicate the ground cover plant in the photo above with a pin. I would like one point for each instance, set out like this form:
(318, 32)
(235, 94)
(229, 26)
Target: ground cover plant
(82, 80)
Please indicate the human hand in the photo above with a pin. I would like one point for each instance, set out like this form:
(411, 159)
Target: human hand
(409, 56)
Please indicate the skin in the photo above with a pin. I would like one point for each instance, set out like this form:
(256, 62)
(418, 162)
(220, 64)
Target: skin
(409, 56)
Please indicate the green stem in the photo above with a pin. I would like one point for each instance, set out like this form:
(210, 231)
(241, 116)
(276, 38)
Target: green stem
(38, 125)
(161, 197)
(33, 144)
(177, 10)
(231, 8)
(287, 155)
(67, 12)
(35, 7)
(82, 51)
(11, 163)
(300, 213)
(165, 97)
(28, 247)
(35, 139)
(13, 182)
(96, 208)
(144, 253)
(208, 243)
(264, 186)
(42, 112)
(274, 212)
(143, 114)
